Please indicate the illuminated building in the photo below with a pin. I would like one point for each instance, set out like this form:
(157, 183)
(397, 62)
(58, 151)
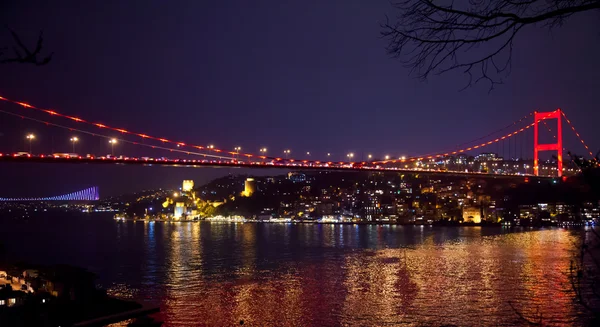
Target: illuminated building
(487, 157)
(249, 187)
(188, 185)
(179, 210)
(296, 176)
(472, 215)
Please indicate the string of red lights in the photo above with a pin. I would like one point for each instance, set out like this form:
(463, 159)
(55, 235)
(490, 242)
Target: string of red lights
(516, 122)
(109, 137)
(124, 131)
(484, 144)
(249, 155)
(578, 136)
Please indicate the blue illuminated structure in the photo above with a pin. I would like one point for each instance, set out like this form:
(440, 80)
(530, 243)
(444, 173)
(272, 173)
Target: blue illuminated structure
(89, 194)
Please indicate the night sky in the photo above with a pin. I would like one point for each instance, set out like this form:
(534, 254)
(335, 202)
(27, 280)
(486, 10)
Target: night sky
(305, 75)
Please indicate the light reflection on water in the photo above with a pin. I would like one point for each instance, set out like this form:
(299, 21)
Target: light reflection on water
(327, 275)
(217, 274)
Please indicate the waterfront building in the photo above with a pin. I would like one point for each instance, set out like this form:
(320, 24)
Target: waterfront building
(179, 210)
(472, 215)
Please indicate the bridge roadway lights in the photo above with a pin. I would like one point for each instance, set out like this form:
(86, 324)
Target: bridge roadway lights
(238, 164)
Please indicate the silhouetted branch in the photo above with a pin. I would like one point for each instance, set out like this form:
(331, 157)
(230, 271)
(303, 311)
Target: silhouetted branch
(436, 38)
(22, 54)
(522, 317)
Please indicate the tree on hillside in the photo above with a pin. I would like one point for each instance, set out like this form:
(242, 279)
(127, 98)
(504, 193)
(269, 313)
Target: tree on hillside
(435, 37)
(20, 53)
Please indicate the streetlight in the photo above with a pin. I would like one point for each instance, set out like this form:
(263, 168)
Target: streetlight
(30, 137)
(369, 156)
(387, 157)
(308, 153)
(263, 151)
(329, 154)
(350, 156)
(287, 153)
(74, 140)
(237, 150)
(210, 147)
(112, 146)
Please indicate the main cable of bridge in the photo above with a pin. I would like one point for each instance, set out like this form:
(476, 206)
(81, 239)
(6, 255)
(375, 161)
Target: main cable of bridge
(249, 155)
(124, 131)
(484, 144)
(109, 137)
(577, 134)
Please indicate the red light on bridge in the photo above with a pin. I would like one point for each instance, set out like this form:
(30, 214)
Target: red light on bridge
(100, 125)
(25, 104)
(143, 135)
(121, 130)
(164, 140)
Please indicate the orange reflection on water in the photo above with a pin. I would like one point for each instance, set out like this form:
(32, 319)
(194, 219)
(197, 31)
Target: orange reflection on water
(463, 281)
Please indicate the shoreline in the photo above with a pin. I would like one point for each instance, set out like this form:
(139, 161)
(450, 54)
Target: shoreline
(435, 224)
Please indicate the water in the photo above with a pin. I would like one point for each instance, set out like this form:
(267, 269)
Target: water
(216, 274)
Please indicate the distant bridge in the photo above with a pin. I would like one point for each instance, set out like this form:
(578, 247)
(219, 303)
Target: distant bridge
(89, 194)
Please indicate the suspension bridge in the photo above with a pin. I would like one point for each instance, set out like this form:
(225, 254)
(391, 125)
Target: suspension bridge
(89, 194)
(450, 162)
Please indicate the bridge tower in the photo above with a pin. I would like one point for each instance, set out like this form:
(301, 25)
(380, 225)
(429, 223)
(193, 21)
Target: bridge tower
(558, 147)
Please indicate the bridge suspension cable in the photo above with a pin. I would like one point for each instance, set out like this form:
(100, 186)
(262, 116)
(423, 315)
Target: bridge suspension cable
(577, 134)
(249, 155)
(484, 144)
(124, 131)
(109, 137)
(516, 122)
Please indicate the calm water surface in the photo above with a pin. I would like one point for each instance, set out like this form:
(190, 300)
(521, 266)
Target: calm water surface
(217, 274)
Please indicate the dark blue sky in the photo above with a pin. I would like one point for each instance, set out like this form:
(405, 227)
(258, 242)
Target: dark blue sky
(306, 75)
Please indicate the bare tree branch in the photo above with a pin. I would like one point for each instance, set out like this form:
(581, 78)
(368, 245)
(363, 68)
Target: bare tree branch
(22, 54)
(435, 37)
